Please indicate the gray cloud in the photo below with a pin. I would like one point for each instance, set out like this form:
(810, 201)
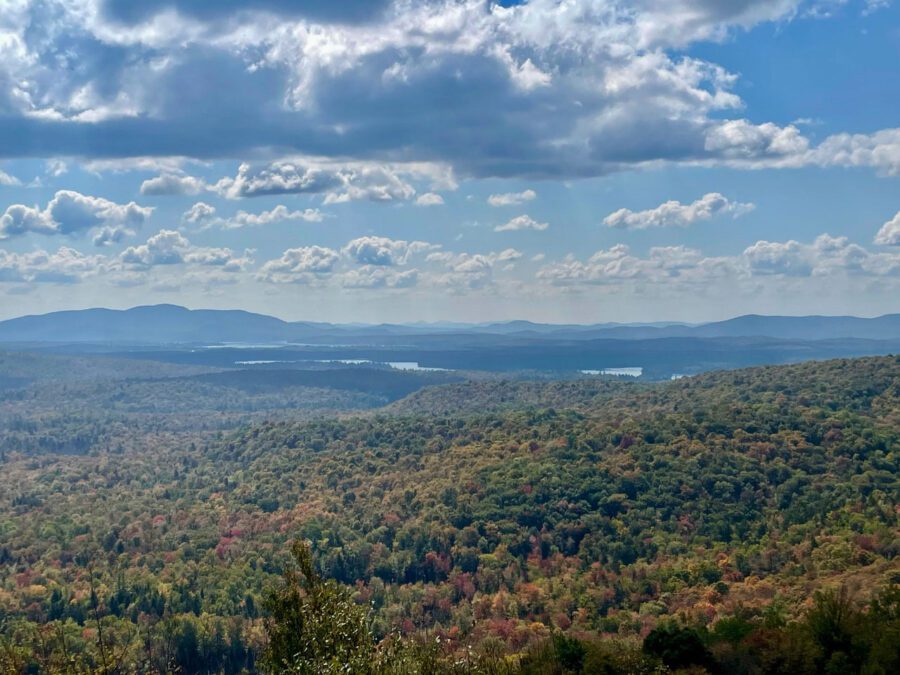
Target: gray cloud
(342, 11)
(339, 183)
(107, 236)
(394, 82)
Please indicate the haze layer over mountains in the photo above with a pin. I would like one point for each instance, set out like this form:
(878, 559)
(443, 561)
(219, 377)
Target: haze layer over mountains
(172, 324)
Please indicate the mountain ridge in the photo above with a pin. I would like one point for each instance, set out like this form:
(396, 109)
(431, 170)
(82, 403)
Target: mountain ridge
(174, 324)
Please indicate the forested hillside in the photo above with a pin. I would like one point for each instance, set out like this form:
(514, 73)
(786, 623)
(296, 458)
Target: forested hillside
(582, 511)
(95, 404)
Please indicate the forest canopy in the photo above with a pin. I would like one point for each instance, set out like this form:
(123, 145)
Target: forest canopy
(729, 516)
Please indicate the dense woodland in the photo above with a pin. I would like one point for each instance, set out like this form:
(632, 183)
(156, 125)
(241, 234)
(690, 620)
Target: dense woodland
(739, 522)
(76, 404)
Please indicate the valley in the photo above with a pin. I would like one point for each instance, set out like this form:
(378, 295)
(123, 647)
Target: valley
(493, 513)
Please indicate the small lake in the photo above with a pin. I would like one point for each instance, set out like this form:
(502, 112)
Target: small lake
(412, 365)
(396, 365)
(632, 371)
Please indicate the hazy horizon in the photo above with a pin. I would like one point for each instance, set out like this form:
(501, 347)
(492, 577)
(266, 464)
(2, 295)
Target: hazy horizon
(437, 322)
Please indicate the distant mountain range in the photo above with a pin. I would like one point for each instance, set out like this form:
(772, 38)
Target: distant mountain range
(171, 324)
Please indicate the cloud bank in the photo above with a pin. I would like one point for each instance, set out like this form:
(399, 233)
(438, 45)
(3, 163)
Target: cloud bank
(574, 89)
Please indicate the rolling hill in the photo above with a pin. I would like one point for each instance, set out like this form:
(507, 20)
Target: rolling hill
(172, 324)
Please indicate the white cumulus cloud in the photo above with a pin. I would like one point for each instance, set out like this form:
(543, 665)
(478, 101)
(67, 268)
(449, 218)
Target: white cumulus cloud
(71, 212)
(169, 247)
(65, 266)
(512, 198)
(199, 213)
(173, 184)
(382, 251)
(675, 214)
(889, 234)
(523, 222)
(8, 180)
(429, 199)
(300, 265)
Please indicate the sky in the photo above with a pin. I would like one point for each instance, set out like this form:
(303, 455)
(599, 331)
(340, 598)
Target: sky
(375, 161)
